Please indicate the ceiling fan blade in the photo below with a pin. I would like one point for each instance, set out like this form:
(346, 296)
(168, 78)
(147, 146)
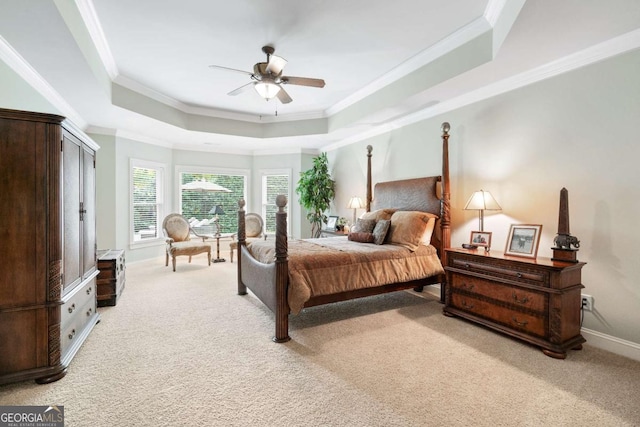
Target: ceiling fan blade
(230, 69)
(283, 96)
(241, 89)
(276, 64)
(302, 81)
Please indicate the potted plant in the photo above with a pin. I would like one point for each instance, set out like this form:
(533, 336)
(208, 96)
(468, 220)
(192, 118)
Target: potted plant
(342, 221)
(316, 190)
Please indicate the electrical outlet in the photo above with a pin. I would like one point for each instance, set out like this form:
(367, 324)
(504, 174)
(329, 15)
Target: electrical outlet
(587, 302)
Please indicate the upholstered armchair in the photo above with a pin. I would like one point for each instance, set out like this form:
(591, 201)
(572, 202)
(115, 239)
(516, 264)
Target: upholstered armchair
(254, 229)
(178, 237)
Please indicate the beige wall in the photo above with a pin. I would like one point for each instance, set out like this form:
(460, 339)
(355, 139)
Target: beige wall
(578, 130)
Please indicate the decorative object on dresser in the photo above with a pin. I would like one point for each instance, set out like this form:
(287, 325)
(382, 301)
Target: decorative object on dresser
(331, 223)
(111, 279)
(537, 301)
(562, 251)
(523, 240)
(480, 238)
(48, 283)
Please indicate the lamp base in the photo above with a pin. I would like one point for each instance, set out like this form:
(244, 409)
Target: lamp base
(219, 260)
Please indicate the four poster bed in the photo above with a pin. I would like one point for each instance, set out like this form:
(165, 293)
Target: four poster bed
(293, 274)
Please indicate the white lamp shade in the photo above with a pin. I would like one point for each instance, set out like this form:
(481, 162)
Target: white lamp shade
(267, 90)
(355, 203)
(482, 200)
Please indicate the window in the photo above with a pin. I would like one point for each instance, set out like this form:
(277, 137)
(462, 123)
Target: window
(147, 195)
(274, 182)
(201, 192)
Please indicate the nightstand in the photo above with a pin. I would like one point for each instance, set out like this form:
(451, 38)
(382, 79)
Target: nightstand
(333, 233)
(536, 300)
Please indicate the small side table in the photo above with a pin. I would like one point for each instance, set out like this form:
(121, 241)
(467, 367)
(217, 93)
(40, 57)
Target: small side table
(218, 237)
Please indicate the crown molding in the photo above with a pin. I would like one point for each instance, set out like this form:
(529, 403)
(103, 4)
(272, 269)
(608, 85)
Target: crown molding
(602, 51)
(20, 66)
(444, 46)
(91, 21)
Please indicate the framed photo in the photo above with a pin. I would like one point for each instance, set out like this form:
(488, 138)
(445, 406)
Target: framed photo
(523, 240)
(480, 238)
(331, 223)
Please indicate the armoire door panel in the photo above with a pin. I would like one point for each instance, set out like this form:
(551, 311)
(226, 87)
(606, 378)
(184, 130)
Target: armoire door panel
(88, 217)
(72, 227)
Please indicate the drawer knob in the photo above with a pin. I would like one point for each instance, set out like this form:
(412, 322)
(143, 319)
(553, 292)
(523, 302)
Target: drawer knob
(519, 275)
(520, 301)
(89, 312)
(73, 307)
(89, 291)
(72, 334)
(523, 323)
(467, 306)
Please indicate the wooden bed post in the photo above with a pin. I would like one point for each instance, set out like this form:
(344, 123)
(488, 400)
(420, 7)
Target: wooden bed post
(369, 191)
(446, 203)
(242, 289)
(282, 273)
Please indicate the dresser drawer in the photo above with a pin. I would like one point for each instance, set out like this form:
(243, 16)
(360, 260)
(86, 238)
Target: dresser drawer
(76, 325)
(514, 319)
(518, 297)
(77, 299)
(498, 269)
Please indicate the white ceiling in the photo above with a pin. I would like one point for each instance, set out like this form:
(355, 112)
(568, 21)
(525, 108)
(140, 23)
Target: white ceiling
(139, 68)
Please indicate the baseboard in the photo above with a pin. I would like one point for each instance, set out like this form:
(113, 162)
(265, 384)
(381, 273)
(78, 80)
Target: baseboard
(610, 343)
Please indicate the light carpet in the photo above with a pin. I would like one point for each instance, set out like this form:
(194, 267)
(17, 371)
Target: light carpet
(184, 349)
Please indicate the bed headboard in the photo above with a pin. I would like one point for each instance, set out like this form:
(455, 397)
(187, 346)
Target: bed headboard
(418, 194)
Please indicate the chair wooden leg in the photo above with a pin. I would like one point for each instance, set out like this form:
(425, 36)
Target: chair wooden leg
(173, 261)
(231, 255)
(166, 259)
(209, 257)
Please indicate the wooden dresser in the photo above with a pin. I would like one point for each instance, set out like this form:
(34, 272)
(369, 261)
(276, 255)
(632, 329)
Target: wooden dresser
(48, 251)
(111, 279)
(536, 300)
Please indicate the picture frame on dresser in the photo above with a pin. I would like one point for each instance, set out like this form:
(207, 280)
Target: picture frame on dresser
(480, 238)
(332, 221)
(523, 240)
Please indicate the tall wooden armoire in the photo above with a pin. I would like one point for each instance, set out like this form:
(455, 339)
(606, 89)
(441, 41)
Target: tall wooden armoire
(47, 245)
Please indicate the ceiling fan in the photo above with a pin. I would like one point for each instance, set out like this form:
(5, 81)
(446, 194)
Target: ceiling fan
(268, 79)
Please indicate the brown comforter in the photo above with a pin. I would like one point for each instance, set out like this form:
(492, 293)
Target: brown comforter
(332, 265)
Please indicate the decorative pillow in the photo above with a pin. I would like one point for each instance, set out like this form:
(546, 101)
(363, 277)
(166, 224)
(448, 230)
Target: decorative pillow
(409, 228)
(361, 237)
(364, 226)
(378, 214)
(380, 231)
(426, 237)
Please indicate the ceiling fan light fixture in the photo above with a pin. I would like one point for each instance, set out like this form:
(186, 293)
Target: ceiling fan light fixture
(267, 90)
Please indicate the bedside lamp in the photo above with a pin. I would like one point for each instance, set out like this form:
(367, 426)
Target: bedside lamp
(482, 201)
(355, 203)
(217, 210)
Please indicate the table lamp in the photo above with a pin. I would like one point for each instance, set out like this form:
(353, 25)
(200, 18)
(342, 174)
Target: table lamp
(482, 201)
(217, 210)
(355, 203)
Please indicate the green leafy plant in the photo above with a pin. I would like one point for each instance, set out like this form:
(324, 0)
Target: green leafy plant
(316, 190)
